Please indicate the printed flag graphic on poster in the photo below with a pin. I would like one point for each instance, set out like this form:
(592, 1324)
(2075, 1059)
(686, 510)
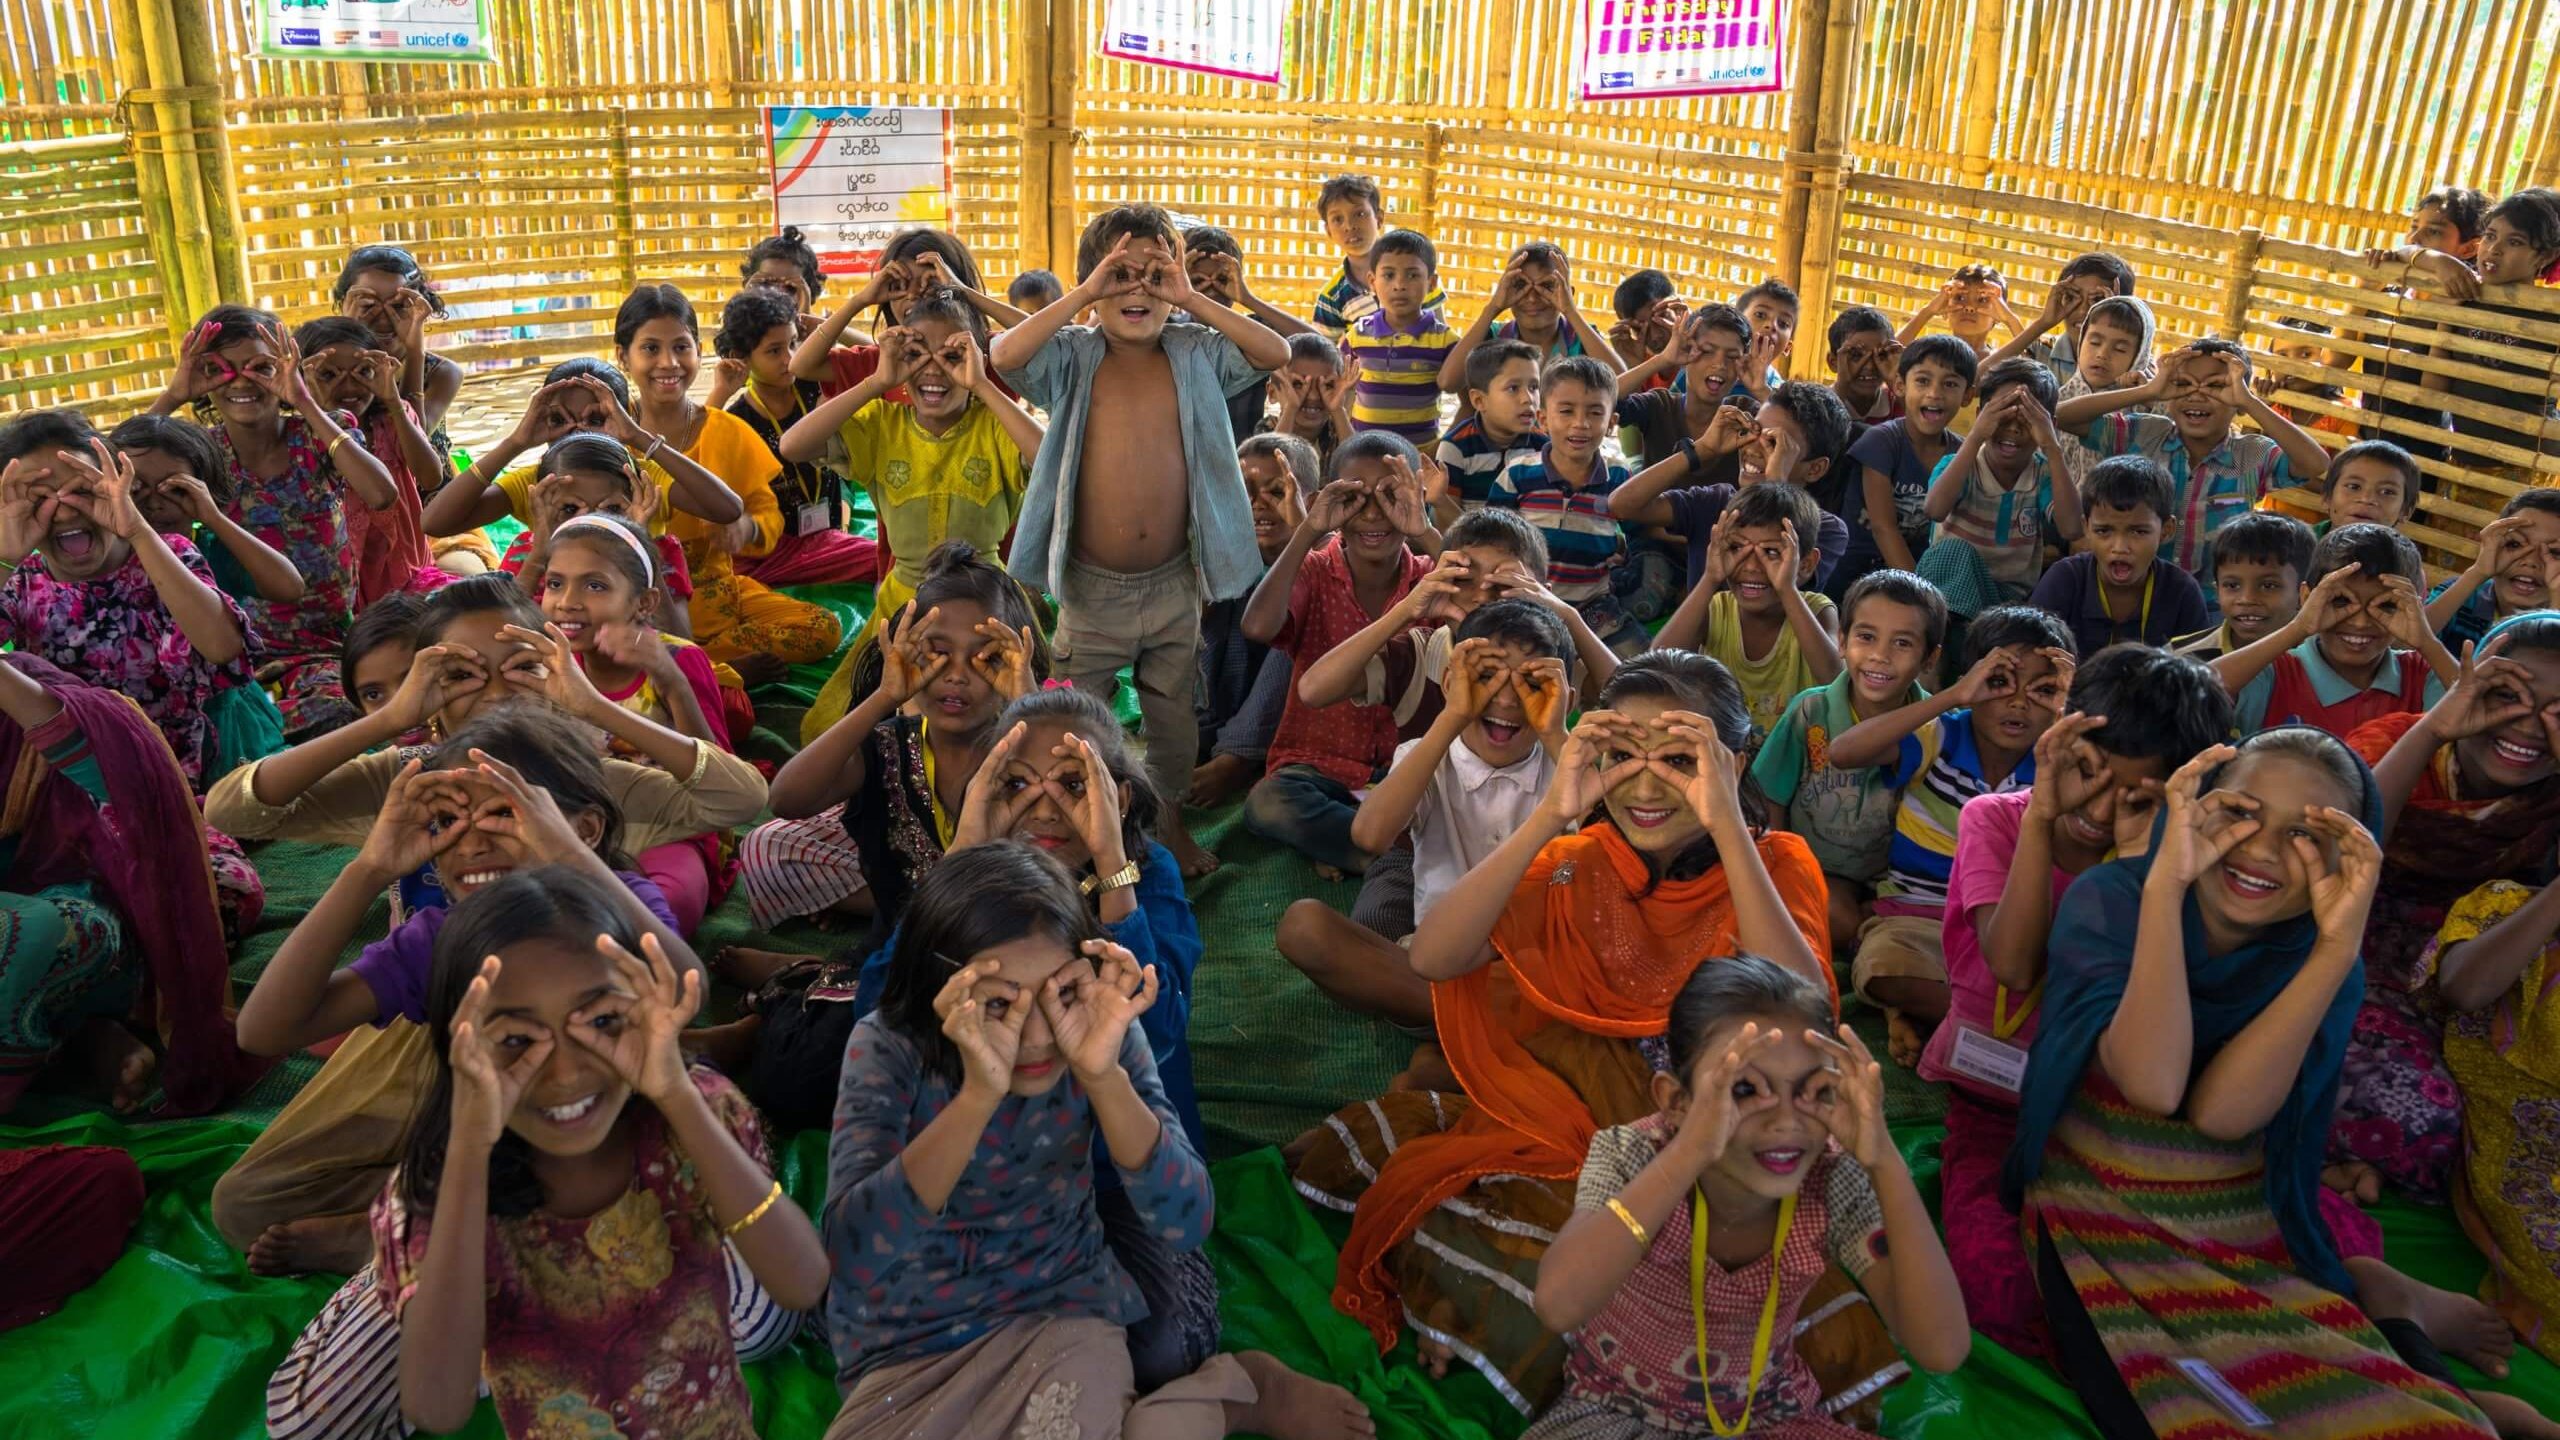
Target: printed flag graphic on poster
(395, 31)
(1236, 38)
(1648, 49)
(851, 176)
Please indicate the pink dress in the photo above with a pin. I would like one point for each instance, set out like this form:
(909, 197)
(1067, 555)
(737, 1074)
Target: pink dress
(1635, 1371)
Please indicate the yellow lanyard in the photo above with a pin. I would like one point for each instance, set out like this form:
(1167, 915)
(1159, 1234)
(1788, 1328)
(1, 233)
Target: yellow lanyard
(2004, 1024)
(1768, 1310)
(2142, 624)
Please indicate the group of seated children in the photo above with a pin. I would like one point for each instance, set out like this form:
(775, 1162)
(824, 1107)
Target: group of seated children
(1654, 701)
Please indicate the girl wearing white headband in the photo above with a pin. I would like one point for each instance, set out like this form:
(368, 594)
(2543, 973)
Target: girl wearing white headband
(600, 588)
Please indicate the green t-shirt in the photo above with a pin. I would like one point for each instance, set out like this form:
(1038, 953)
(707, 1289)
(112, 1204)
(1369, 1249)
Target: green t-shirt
(1846, 816)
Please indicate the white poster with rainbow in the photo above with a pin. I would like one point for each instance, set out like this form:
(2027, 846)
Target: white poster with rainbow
(851, 176)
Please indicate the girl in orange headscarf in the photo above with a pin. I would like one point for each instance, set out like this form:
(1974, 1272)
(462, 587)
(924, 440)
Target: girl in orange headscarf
(1553, 967)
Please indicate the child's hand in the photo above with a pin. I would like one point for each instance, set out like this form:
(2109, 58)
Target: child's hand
(2062, 308)
(1169, 280)
(1721, 1093)
(988, 1043)
(409, 315)
(101, 489)
(438, 676)
(962, 362)
(1097, 811)
(1090, 1012)
(1117, 275)
(907, 664)
(512, 805)
(407, 832)
(2490, 692)
(1544, 698)
(287, 383)
(26, 517)
(192, 497)
(2329, 604)
(1402, 499)
(491, 1070)
(639, 647)
(1431, 596)
(547, 667)
(1474, 675)
(1339, 390)
(729, 375)
(1781, 451)
(1784, 560)
(1514, 582)
(1724, 553)
(2053, 690)
(1850, 1101)
(1993, 675)
(2039, 419)
(381, 371)
(2402, 611)
(1004, 662)
(193, 378)
(901, 351)
(2070, 772)
(617, 420)
(2202, 828)
(2231, 386)
(1728, 430)
(2493, 539)
(1288, 392)
(636, 1032)
(2341, 890)
(1507, 290)
(1713, 784)
(2447, 273)
(988, 812)
(1765, 351)
(1334, 503)
(546, 415)
(1680, 348)
(1580, 782)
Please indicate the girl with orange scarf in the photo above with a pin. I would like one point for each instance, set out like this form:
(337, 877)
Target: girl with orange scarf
(1553, 967)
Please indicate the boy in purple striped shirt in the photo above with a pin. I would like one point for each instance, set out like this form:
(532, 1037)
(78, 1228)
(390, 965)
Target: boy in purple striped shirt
(1398, 347)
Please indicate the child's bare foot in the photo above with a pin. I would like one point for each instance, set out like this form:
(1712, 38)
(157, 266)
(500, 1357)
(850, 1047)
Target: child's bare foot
(747, 969)
(118, 1062)
(1435, 1356)
(331, 1244)
(2461, 1326)
(2354, 1179)
(1194, 858)
(1329, 872)
(730, 1048)
(1427, 1070)
(1291, 1406)
(1296, 1151)
(1904, 1039)
(1220, 780)
(760, 668)
(2513, 1417)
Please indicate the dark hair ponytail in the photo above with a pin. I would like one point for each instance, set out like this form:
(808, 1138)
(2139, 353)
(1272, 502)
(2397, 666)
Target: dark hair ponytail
(556, 904)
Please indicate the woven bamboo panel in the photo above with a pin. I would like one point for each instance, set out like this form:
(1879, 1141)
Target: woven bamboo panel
(57, 69)
(80, 301)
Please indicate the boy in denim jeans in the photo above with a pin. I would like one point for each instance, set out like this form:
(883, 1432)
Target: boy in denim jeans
(1120, 553)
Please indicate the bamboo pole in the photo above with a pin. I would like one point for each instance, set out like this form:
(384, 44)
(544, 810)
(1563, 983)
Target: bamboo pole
(1819, 262)
(1066, 74)
(718, 50)
(2242, 275)
(209, 143)
(1982, 88)
(150, 176)
(1031, 71)
(1804, 127)
(165, 145)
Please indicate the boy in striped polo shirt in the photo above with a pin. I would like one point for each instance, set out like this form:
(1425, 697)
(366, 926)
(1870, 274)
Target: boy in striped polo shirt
(1501, 426)
(1397, 348)
(1976, 737)
(1564, 488)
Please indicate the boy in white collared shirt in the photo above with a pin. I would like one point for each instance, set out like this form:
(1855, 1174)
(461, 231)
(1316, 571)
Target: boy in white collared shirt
(1456, 793)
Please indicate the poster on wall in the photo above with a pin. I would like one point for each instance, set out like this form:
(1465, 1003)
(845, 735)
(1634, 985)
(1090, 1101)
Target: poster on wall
(1239, 39)
(1650, 49)
(851, 176)
(382, 31)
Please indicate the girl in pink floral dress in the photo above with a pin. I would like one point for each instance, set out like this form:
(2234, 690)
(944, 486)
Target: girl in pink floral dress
(293, 462)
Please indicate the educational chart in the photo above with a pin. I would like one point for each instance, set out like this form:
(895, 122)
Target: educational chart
(396, 31)
(1236, 38)
(1648, 49)
(850, 176)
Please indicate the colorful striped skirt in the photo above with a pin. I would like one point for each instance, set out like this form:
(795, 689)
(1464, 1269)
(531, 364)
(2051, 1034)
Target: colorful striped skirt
(2170, 1247)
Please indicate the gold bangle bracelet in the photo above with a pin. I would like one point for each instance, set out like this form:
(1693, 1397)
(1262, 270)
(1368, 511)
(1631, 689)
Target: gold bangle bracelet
(1628, 1218)
(752, 1216)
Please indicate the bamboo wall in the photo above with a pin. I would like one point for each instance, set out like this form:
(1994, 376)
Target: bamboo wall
(2236, 151)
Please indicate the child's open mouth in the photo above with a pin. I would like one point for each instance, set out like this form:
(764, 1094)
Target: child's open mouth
(2196, 414)
(1645, 819)
(1933, 414)
(572, 1115)
(1751, 591)
(576, 630)
(2359, 646)
(932, 392)
(474, 879)
(2013, 729)
(74, 544)
(2120, 571)
(2248, 885)
(2520, 754)
(1780, 1162)
(1498, 731)
(1134, 314)
(1373, 539)
(1878, 682)
(671, 381)
(2086, 831)
(952, 702)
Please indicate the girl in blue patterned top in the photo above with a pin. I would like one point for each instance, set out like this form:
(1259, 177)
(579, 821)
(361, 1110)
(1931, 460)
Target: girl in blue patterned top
(974, 1292)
